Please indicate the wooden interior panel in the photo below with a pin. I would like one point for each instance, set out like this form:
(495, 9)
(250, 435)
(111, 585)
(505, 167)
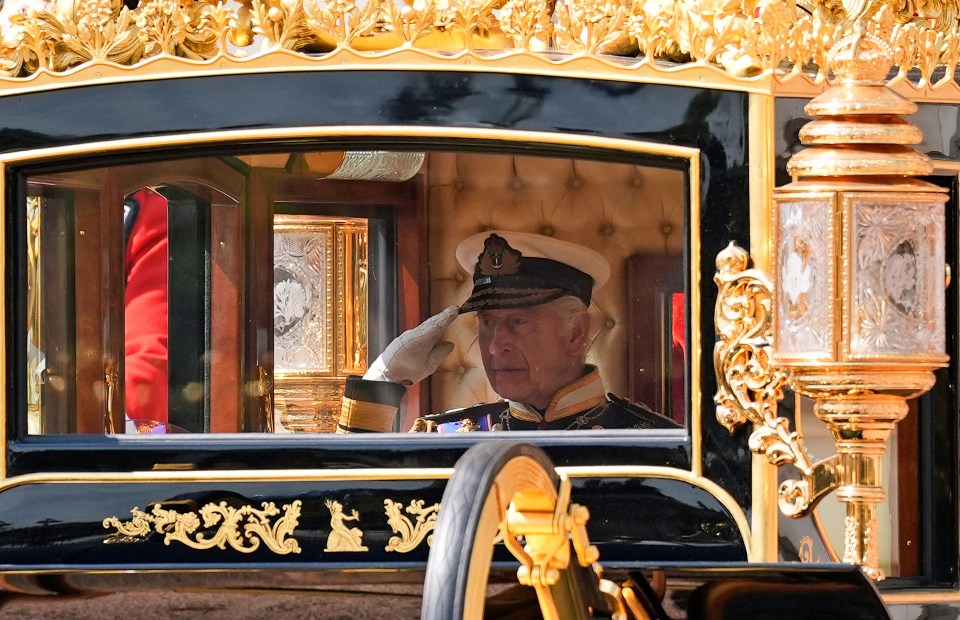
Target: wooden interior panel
(57, 314)
(655, 351)
(226, 306)
(91, 403)
(112, 286)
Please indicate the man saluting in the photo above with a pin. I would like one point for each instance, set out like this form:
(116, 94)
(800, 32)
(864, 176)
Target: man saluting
(531, 294)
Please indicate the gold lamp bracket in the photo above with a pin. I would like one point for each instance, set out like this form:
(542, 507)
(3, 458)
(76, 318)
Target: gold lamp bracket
(750, 386)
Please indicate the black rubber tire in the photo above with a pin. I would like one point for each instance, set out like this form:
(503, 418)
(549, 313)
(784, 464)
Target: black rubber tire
(460, 554)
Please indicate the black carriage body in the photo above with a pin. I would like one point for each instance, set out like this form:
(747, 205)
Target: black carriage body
(648, 500)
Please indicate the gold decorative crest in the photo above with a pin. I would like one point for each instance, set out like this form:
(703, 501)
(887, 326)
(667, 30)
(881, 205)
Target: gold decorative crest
(410, 533)
(742, 38)
(243, 529)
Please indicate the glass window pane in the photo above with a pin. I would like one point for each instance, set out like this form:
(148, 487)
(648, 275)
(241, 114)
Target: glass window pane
(237, 293)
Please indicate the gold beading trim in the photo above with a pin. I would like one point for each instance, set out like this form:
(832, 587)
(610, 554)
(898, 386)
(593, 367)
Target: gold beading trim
(182, 527)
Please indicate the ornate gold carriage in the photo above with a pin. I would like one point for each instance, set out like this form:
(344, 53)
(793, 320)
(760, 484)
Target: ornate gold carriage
(314, 166)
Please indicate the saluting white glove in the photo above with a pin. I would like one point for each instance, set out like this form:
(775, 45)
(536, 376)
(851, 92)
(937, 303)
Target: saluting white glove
(415, 354)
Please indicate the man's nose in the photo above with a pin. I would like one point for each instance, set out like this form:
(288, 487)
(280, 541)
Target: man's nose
(500, 340)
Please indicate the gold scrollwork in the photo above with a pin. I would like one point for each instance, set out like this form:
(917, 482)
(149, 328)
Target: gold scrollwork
(411, 533)
(256, 528)
(343, 538)
(750, 386)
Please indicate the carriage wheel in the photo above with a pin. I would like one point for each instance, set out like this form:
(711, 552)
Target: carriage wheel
(489, 479)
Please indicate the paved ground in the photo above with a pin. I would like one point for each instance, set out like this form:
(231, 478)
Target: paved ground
(226, 596)
(173, 605)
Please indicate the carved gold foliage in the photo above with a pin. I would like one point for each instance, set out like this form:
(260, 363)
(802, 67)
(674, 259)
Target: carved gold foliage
(176, 29)
(410, 533)
(592, 26)
(283, 23)
(750, 387)
(744, 37)
(527, 23)
(651, 23)
(408, 22)
(340, 22)
(243, 529)
(84, 31)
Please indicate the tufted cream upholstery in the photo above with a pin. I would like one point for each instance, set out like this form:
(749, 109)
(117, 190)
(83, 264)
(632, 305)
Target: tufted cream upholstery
(618, 209)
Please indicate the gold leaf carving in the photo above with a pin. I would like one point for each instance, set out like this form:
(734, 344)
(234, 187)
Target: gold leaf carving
(411, 533)
(343, 538)
(750, 386)
(282, 23)
(176, 30)
(593, 26)
(746, 38)
(340, 22)
(135, 530)
(243, 529)
(527, 23)
(89, 30)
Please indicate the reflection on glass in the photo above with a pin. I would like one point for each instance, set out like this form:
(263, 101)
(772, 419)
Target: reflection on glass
(36, 360)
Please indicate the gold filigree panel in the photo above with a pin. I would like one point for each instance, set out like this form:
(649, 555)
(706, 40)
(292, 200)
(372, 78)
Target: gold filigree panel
(745, 38)
(246, 528)
(243, 529)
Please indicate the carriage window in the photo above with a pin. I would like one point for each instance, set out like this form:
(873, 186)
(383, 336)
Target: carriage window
(238, 293)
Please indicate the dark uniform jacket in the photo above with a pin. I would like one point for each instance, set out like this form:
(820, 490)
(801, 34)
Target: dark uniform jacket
(581, 405)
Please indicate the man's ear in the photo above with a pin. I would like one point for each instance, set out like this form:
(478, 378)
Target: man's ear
(580, 332)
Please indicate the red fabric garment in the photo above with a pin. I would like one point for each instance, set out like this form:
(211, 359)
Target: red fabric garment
(146, 310)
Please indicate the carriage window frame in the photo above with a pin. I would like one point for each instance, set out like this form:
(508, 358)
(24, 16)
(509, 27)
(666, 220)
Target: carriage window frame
(20, 441)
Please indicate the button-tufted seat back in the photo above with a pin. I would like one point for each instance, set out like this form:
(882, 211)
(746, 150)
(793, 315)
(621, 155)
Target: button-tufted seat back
(619, 210)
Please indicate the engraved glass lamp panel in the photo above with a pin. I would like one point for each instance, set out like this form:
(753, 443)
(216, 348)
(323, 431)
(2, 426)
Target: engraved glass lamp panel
(860, 275)
(806, 267)
(896, 266)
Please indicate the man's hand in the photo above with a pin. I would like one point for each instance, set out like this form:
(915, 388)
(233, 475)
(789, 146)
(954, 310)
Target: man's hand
(416, 353)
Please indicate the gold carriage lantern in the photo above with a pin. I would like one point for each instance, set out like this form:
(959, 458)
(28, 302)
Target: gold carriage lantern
(858, 317)
(857, 314)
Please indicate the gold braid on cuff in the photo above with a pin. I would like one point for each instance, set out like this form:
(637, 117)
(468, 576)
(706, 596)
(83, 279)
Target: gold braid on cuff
(357, 415)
